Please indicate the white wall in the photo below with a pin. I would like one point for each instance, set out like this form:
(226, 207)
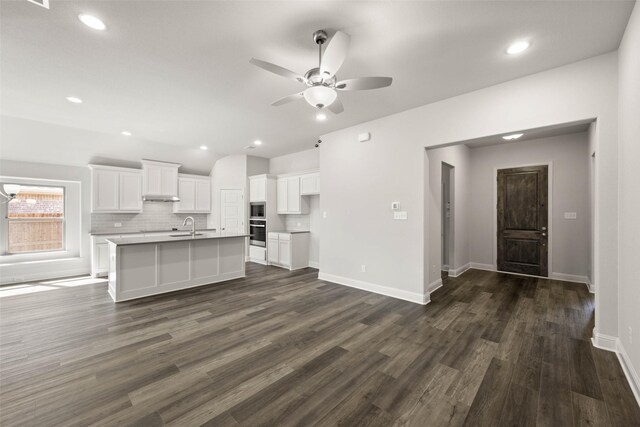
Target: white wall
(75, 265)
(257, 165)
(629, 238)
(300, 161)
(569, 160)
(79, 147)
(457, 156)
(359, 181)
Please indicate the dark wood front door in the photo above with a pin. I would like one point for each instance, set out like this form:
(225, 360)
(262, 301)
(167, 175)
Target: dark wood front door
(523, 220)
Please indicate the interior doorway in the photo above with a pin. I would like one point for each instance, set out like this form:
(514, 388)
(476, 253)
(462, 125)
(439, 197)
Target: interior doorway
(448, 178)
(232, 211)
(522, 219)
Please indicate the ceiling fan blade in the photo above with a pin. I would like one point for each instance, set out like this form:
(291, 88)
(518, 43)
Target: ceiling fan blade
(364, 83)
(288, 99)
(277, 69)
(334, 54)
(336, 107)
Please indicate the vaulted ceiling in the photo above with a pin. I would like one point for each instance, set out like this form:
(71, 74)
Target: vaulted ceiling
(177, 74)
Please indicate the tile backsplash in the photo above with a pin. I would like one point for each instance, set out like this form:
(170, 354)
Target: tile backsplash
(297, 222)
(154, 216)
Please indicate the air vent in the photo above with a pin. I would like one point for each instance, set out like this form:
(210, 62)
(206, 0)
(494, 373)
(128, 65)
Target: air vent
(249, 147)
(43, 3)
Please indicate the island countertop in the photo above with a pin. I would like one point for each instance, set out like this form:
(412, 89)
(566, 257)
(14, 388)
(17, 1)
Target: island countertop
(179, 236)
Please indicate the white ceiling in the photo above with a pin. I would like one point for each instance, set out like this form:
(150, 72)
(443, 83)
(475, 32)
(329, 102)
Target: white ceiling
(530, 134)
(177, 73)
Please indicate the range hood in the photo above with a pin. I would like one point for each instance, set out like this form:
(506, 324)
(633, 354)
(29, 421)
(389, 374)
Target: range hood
(150, 198)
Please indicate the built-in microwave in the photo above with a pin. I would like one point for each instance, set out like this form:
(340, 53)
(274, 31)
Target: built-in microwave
(258, 210)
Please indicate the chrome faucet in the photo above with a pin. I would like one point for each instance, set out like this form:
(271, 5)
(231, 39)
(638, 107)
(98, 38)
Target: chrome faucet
(193, 224)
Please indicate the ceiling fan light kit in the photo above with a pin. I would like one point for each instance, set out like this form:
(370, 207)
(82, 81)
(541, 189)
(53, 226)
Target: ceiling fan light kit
(321, 81)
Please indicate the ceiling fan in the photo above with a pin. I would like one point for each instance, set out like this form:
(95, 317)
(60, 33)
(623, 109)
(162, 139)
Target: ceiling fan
(321, 81)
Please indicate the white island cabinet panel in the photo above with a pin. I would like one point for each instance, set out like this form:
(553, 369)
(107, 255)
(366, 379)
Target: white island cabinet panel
(173, 263)
(152, 265)
(203, 252)
(137, 269)
(229, 261)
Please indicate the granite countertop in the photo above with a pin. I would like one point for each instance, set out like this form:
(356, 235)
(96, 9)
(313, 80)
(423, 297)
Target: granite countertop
(183, 236)
(116, 231)
(289, 231)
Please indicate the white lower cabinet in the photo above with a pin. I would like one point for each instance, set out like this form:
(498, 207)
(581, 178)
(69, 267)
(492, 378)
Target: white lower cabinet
(258, 254)
(100, 255)
(100, 250)
(288, 250)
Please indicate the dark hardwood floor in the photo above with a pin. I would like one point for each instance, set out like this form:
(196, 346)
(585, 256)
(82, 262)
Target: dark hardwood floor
(280, 348)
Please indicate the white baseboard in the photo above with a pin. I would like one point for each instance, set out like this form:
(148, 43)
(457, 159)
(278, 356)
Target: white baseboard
(247, 258)
(458, 271)
(445, 268)
(435, 285)
(378, 289)
(480, 266)
(611, 343)
(569, 278)
(629, 371)
(314, 264)
(604, 342)
(35, 277)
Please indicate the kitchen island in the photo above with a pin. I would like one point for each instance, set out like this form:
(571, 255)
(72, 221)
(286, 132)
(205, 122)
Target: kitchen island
(151, 265)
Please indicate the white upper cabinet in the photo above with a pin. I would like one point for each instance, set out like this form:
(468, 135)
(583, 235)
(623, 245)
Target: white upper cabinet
(310, 184)
(115, 189)
(258, 189)
(292, 187)
(130, 197)
(203, 195)
(195, 194)
(289, 199)
(160, 178)
(293, 194)
(104, 190)
(187, 195)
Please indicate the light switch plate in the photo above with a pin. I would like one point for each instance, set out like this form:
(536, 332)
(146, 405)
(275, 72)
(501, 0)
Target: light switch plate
(570, 215)
(400, 215)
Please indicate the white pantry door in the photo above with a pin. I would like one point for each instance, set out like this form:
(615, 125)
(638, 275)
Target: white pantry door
(231, 211)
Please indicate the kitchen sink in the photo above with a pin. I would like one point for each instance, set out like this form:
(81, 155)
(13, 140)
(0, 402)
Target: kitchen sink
(185, 235)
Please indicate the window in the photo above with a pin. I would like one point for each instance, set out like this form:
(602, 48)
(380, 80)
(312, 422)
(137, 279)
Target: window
(35, 219)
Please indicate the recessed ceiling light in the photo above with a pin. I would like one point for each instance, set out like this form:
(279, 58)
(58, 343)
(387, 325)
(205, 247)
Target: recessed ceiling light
(92, 22)
(512, 136)
(257, 142)
(74, 99)
(126, 133)
(321, 117)
(518, 47)
(204, 147)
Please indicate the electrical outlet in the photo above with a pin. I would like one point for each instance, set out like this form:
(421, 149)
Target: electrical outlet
(324, 214)
(630, 335)
(117, 224)
(298, 224)
(363, 268)
(433, 269)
